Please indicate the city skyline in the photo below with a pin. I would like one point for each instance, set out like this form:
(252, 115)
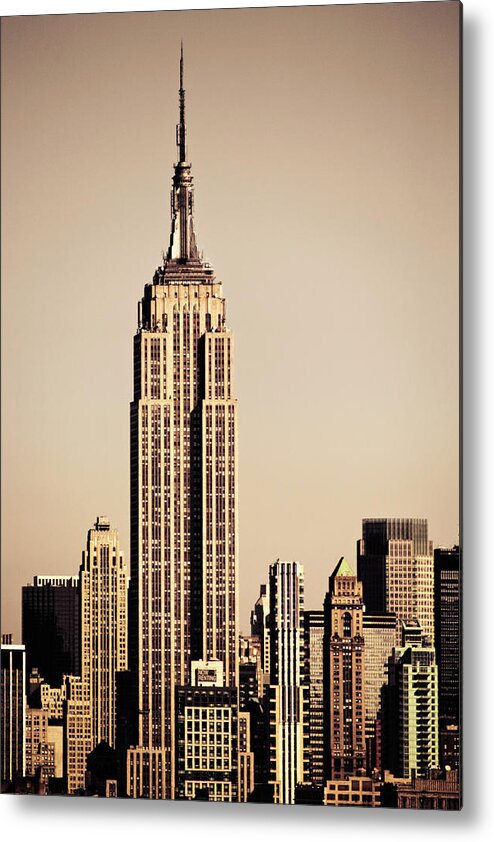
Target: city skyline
(187, 713)
(298, 423)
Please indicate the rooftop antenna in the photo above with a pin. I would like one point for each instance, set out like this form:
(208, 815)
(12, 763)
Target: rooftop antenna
(181, 126)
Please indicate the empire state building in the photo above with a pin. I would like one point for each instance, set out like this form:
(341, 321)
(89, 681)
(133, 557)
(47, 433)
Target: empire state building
(183, 423)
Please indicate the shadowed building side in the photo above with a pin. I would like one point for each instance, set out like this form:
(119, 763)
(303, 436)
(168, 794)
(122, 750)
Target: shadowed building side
(13, 744)
(51, 627)
(447, 610)
(395, 564)
(380, 638)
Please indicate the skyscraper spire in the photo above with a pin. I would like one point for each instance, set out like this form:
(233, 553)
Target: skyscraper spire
(182, 246)
(182, 152)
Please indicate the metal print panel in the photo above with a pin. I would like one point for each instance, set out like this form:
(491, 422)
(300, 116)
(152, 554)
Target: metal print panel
(275, 617)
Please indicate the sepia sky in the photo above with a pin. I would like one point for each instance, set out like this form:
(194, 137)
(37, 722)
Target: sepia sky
(324, 145)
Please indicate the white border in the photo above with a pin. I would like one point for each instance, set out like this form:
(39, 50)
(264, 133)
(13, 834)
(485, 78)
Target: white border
(78, 819)
(49, 7)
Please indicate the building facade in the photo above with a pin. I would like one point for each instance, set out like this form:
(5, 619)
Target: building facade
(183, 419)
(380, 639)
(411, 707)
(246, 764)
(434, 791)
(77, 732)
(314, 673)
(396, 567)
(259, 624)
(207, 736)
(353, 792)
(13, 686)
(103, 588)
(145, 772)
(250, 675)
(40, 751)
(51, 701)
(447, 616)
(344, 676)
(51, 627)
(287, 698)
(449, 745)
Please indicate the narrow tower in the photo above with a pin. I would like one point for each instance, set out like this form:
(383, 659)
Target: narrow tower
(182, 600)
(447, 620)
(103, 589)
(13, 696)
(314, 673)
(344, 702)
(410, 706)
(287, 708)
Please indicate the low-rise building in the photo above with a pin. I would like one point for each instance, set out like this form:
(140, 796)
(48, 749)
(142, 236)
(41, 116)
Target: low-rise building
(354, 792)
(206, 736)
(435, 791)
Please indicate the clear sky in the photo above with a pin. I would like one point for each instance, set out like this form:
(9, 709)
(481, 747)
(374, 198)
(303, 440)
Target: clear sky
(324, 144)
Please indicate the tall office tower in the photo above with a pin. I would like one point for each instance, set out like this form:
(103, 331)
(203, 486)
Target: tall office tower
(77, 741)
(183, 592)
(447, 615)
(314, 638)
(411, 706)
(287, 698)
(259, 710)
(260, 626)
(103, 587)
(50, 626)
(13, 747)
(396, 567)
(344, 675)
(207, 751)
(379, 638)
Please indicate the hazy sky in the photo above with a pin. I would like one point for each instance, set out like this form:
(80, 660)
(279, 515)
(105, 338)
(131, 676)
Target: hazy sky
(324, 144)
